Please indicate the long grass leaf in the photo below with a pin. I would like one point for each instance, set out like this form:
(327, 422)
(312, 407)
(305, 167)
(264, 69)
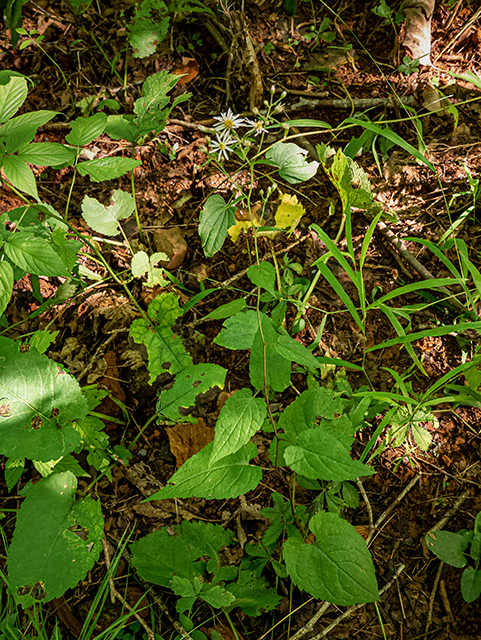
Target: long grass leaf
(416, 286)
(433, 333)
(336, 285)
(393, 137)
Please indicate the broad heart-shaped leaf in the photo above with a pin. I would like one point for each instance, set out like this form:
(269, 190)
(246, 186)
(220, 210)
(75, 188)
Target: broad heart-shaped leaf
(12, 96)
(159, 555)
(34, 255)
(337, 567)
(448, 546)
(165, 350)
(291, 162)
(318, 454)
(121, 128)
(31, 387)
(239, 419)
(239, 331)
(20, 175)
(217, 596)
(190, 390)
(215, 218)
(104, 219)
(22, 129)
(226, 478)
(263, 275)
(84, 130)
(56, 541)
(471, 584)
(6, 285)
(107, 168)
(276, 371)
(47, 154)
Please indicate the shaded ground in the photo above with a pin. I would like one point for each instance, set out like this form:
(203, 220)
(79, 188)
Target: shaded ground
(171, 186)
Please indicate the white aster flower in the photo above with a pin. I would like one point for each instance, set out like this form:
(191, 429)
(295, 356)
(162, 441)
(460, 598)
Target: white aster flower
(227, 121)
(257, 126)
(222, 145)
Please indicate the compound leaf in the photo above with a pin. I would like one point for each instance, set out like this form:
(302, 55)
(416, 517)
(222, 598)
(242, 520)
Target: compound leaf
(34, 255)
(107, 168)
(85, 130)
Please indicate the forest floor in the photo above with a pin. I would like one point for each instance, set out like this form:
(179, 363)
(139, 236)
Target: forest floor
(172, 185)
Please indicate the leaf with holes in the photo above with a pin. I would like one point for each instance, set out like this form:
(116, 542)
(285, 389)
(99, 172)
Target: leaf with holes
(67, 536)
(191, 391)
(38, 400)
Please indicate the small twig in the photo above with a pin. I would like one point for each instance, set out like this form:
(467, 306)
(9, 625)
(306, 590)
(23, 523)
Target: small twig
(307, 627)
(360, 486)
(115, 594)
(107, 564)
(450, 513)
(393, 504)
(432, 597)
(408, 256)
(445, 599)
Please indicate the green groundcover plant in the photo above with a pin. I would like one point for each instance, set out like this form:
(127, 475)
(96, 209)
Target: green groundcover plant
(47, 419)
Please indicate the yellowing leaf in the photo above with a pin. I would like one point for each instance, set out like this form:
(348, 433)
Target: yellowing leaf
(289, 212)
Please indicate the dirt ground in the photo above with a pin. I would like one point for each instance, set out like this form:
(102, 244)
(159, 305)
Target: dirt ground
(171, 186)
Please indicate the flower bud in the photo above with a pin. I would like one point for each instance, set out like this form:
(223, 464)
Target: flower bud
(255, 111)
(273, 89)
(266, 104)
(283, 95)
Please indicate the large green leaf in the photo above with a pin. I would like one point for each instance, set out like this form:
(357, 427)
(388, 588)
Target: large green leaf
(471, 584)
(56, 541)
(337, 567)
(449, 547)
(6, 285)
(107, 168)
(154, 91)
(85, 130)
(160, 555)
(34, 255)
(239, 331)
(239, 419)
(190, 391)
(215, 218)
(294, 351)
(20, 175)
(226, 478)
(263, 275)
(47, 154)
(252, 594)
(291, 161)
(22, 129)
(12, 96)
(266, 365)
(165, 350)
(144, 33)
(38, 400)
(105, 219)
(319, 454)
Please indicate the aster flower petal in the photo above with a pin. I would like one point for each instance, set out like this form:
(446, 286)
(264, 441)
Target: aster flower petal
(227, 121)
